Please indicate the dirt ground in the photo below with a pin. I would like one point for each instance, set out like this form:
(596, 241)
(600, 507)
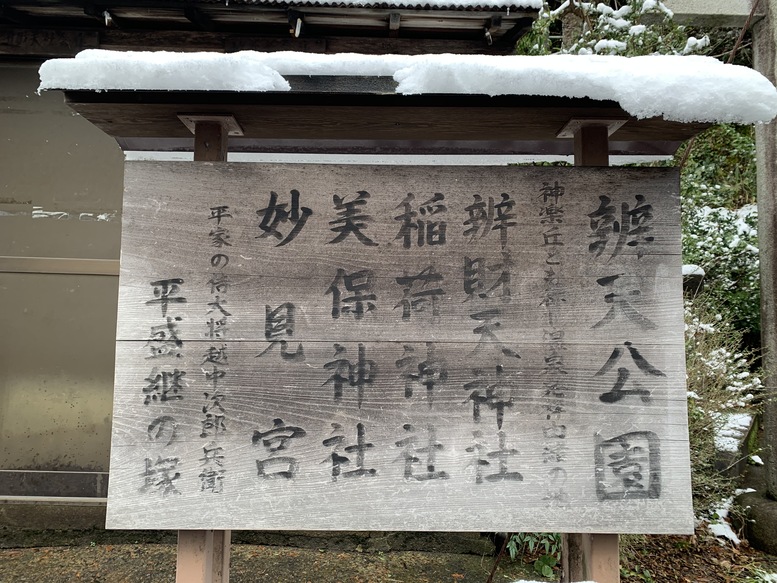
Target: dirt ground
(99, 557)
(104, 557)
(692, 559)
(129, 563)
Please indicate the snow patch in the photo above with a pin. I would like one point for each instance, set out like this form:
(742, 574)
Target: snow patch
(719, 525)
(732, 431)
(724, 530)
(695, 44)
(691, 269)
(613, 46)
(160, 71)
(679, 88)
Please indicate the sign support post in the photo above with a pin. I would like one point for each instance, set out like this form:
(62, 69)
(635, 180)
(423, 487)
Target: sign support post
(591, 557)
(203, 555)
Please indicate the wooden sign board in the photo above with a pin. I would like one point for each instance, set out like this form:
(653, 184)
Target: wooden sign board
(400, 348)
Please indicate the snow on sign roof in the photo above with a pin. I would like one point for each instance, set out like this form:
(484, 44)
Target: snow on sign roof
(677, 88)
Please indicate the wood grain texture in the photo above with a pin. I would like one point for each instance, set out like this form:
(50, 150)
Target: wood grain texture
(409, 398)
(34, 42)
(355, 116)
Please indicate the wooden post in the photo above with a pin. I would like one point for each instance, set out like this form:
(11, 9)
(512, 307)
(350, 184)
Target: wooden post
(591, 557)
(203, 555)
(592, 145)
(210, 141)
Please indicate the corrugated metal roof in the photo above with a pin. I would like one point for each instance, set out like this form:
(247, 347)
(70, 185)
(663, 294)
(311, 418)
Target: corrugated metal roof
(47, 28)
(401, 4)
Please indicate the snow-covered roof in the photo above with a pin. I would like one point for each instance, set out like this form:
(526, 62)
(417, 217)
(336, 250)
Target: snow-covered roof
(411, 4)
(677, 88)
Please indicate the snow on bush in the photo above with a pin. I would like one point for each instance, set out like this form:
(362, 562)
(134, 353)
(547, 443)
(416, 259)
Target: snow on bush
(724, 243)
(638, 27)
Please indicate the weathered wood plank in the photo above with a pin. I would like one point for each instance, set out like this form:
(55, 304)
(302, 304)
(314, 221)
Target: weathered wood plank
(313, 500)
(520, 320)
(391, 372)
(264, 272)
(274, 397)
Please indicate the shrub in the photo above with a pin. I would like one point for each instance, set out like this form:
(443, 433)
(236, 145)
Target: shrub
(720, 381)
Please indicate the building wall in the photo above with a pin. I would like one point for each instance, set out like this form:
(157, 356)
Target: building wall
(712, 13)
(60, 197)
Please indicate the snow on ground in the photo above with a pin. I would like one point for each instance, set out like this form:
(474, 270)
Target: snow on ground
(679, 88)
(720, 525)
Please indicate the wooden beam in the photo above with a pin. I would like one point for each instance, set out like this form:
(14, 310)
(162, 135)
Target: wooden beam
(198, 18)
(390, 147)
(45, 43)
(363, 116)
(591, 557)
(364, 44)
(219, 41)
(59, 43)
(14, 16)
